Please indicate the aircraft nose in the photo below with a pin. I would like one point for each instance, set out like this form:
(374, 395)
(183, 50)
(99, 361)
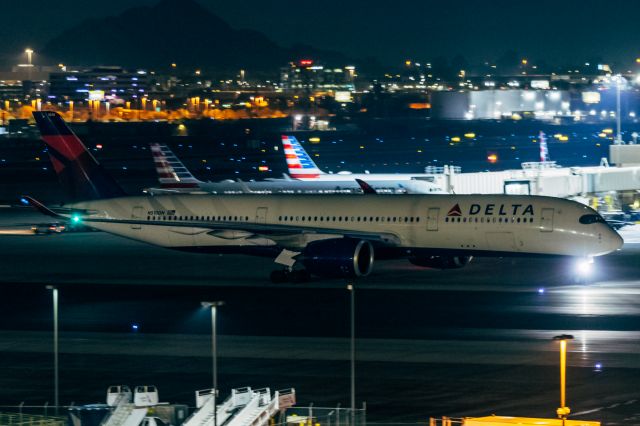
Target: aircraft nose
(613, 240)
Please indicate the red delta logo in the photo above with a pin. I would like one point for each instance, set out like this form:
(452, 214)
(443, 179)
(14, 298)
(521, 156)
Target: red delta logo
(455, 211)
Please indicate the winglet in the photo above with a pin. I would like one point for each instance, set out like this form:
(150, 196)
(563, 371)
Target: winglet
(40, 207)
(366, 188)
(245, 188)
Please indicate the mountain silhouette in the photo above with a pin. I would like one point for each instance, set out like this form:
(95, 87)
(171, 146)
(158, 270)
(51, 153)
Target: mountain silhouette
(173, 31)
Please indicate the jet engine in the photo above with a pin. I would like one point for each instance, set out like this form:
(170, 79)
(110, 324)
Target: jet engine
(338, 258)
(441, 262)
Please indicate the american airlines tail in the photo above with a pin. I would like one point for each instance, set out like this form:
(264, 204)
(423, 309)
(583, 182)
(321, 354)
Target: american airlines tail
(172, 174)
(300, 164)
(78, 171)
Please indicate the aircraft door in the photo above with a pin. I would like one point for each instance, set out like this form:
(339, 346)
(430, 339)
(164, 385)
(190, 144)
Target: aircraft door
(261, 215)
(136, 214)
(432, 218)
(546, 220)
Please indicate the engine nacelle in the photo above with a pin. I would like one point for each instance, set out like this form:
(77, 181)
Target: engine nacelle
(441, 262)
(339, 258)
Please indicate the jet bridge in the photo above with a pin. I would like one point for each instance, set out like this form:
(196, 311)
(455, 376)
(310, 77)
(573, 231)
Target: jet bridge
(542, 178)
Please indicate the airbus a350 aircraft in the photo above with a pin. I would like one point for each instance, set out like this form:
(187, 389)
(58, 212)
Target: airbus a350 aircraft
(328, 235)
(174, 177)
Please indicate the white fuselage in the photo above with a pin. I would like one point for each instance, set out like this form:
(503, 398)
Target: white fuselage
(284, 186)
(368, 177)
(474, 224)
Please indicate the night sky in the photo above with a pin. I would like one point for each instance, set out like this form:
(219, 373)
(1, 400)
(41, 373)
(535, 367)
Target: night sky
(560, 32)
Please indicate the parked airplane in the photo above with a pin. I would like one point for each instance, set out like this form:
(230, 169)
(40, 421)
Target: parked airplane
(302, 167)
(174, 177)
(336, 236)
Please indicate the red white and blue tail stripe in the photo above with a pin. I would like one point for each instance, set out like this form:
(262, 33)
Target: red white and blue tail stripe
(172, 174)
(300, 164)
(544, 150)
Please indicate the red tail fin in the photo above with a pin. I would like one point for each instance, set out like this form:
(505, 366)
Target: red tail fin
(80, 173)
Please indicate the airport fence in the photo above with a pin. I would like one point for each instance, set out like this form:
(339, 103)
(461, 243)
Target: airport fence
(323, 416)
(23, 419)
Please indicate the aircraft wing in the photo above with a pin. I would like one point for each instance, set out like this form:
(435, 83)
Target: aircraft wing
(57, 212)
(266, 230)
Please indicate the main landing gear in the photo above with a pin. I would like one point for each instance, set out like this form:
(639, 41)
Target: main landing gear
(286, 275)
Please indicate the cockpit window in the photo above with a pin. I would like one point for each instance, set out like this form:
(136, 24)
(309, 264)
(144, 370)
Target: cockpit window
(588, 219)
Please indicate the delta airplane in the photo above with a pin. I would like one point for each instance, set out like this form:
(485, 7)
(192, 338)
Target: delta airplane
(333, 236)
(174, 177)
(302, 167)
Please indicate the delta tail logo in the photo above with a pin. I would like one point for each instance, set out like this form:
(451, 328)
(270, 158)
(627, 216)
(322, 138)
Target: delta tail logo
(455, 211)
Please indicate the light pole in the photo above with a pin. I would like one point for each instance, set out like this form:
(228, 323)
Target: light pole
(618, 117)
(56, 399)
(352, 322)
(29, 53)
(214, 354)
(563, 411)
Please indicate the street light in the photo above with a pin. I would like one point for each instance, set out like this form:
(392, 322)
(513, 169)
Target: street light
(29, 52)
(352, 291)
(54, 293)
(618, 140)
(563, 411)
(214, 354)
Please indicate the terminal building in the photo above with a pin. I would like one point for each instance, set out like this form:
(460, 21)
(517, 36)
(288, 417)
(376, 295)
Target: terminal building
(113, 81)
(498, 104)
(308, 75)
